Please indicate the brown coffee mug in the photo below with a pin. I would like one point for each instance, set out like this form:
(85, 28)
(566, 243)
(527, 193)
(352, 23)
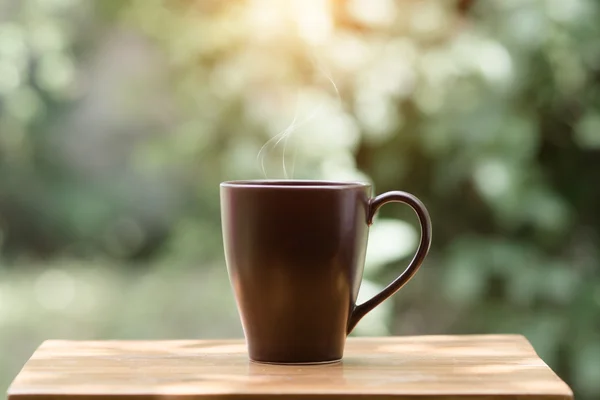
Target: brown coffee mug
(295, 253)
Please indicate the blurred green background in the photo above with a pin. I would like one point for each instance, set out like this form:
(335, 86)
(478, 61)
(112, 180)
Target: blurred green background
(118, 120)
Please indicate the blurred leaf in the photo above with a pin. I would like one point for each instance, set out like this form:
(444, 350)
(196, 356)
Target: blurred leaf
(465, 276)
(376, 322)
(389, 241)
(560, 282)
(545, 332)
(586, 371)
(587, 131)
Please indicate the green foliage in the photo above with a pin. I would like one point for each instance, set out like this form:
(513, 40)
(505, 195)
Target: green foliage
(119, 119)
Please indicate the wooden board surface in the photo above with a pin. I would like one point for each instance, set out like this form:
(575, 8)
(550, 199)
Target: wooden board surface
(423, 367)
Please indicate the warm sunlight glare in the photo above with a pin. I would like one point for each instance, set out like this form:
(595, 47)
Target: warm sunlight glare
(311, 19)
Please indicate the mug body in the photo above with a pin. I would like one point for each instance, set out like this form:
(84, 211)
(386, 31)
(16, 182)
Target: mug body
(295, 254)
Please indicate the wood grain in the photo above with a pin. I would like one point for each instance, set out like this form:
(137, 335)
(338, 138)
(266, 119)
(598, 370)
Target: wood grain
(422, 367)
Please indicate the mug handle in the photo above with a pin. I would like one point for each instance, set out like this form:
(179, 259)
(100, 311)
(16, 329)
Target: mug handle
(361, 310)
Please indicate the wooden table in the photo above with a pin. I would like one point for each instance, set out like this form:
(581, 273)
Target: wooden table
(423, 367)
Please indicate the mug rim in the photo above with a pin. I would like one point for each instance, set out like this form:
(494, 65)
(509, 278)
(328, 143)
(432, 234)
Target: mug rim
(294, 184)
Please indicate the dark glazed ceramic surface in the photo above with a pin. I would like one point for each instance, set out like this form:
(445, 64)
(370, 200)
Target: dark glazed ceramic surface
(295, 253)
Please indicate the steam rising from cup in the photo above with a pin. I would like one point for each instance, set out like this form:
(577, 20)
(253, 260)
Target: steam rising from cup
(284, 136)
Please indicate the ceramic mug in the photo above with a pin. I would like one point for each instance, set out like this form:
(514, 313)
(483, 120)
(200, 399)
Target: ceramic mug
(295, 253)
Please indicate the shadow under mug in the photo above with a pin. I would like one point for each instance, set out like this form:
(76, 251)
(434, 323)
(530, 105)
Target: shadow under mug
(295, 253)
